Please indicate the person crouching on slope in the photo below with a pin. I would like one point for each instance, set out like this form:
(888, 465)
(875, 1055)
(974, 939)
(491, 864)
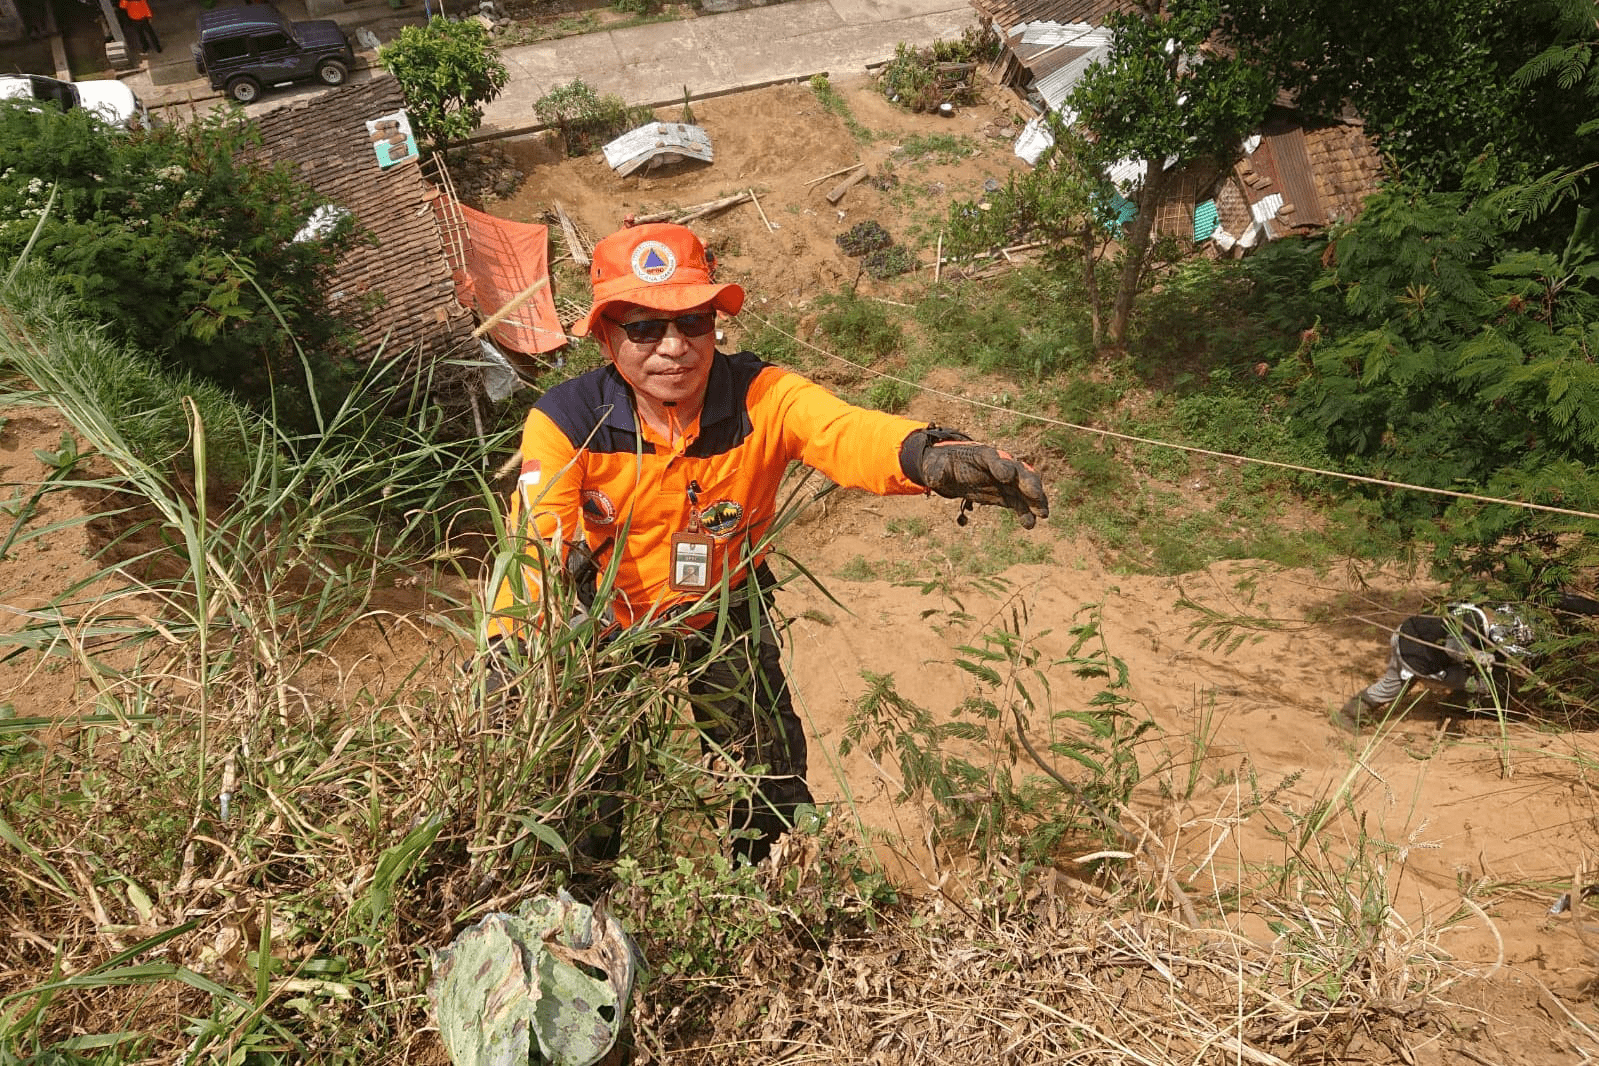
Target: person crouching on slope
(671, 457)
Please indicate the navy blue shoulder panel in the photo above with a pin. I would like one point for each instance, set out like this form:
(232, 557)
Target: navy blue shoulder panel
(595, 412)
(725, 422)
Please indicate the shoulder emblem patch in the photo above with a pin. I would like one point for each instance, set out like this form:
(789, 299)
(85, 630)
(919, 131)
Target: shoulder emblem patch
(597, 508)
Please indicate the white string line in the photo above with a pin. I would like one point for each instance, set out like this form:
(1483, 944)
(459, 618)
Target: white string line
(1361, 478)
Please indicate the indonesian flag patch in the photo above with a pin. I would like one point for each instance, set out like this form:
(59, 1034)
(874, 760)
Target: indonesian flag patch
(531, 473)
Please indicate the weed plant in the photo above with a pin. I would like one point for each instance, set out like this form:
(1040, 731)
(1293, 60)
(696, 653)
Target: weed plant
(995, 773)
(945, 149)
(838, 106)
(773, 339)
(861, 330)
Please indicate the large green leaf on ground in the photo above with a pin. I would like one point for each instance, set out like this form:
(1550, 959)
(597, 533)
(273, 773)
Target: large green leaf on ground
(549, 985)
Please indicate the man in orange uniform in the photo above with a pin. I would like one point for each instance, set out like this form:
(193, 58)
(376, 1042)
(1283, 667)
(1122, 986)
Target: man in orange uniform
(672, 457)
(143, 20)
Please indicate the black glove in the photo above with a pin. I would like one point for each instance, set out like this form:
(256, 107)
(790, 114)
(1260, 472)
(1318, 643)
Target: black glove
(957, 467)
(582, 568)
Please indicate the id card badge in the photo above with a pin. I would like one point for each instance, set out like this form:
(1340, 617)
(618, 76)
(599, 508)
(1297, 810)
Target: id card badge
(691, 561)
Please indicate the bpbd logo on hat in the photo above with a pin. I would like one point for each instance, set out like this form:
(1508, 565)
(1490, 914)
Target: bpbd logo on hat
(654, 262)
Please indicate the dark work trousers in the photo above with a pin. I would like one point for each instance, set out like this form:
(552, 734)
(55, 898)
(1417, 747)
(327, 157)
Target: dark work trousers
(145, 28)
(743, 709)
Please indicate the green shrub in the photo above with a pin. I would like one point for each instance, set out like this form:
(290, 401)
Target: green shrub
(889, 395)
(585, 119)
(861, 329)
(182, 248)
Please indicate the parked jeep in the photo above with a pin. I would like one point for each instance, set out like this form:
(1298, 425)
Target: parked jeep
(242, 49)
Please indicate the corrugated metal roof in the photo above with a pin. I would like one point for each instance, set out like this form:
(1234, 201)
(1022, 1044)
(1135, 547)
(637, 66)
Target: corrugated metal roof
(1054, 34)
(665, 141)
(1265, 209)
(1294, 177)
(1056, 86)
(1004, 13)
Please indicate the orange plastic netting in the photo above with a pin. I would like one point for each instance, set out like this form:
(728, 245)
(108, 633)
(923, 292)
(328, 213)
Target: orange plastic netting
(495, 261)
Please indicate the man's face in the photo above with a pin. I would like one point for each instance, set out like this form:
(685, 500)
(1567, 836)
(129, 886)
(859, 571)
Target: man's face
(673, 369)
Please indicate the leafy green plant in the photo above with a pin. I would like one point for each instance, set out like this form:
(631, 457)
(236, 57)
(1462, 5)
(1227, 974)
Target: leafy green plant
(909, 80)
(586, 119)
(980, 800)
(447, 70)
(63, 458)
(888, 262)
(836, 104)
(863, 237)
(889, 395)
(861, 328)
(169, 240)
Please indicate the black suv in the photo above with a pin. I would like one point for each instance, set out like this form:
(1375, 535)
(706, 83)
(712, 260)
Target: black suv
(243, 48)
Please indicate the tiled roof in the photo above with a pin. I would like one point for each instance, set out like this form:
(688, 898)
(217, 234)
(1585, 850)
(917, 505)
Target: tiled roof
(1345, 166)
(1008, 13)
(397, 290)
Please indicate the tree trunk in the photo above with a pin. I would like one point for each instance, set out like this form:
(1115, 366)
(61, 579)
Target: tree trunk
(1091, 282)
(1136, 250)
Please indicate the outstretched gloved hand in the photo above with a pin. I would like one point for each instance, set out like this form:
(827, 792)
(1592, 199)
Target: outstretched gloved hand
(956, 467)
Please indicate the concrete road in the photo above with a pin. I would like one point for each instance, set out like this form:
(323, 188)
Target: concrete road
(713, 54)
(644, 65)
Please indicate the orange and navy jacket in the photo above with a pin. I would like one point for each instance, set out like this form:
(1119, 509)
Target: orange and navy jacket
(592, 470)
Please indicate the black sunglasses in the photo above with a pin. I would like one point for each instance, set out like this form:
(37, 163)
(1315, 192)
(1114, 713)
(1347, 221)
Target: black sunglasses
(651, 330)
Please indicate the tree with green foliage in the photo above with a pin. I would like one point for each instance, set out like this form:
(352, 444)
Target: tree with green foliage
(586, 119)
(1467, 360)
(447, 71)
(178, 244)
(1059, 202)
(1160, 99)
(1435, 83)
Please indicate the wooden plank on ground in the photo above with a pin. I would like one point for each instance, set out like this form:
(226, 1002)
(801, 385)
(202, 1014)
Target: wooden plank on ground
(574, 243)
(844, 186)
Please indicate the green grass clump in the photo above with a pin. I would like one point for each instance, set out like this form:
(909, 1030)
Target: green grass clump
(838, 106)
(860, 330)
(999, 330)
(946, 149)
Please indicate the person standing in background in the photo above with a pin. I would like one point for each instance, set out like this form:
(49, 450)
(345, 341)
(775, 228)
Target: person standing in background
(142, 18)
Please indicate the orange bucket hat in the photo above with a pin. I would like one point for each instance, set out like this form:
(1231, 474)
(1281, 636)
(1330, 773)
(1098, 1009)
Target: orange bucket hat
(659, 265)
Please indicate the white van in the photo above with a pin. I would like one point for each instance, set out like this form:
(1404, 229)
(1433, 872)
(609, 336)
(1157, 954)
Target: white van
(105, 97)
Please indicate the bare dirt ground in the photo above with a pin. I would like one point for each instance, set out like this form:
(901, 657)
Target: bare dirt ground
(1480, 825)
